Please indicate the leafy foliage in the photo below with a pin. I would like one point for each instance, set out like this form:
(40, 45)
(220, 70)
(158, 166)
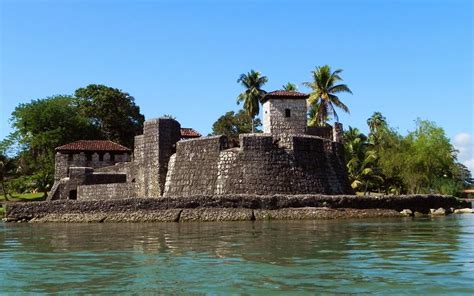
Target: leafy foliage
(96, 112)
(232, 124)
(424, 161)
(323, 100)
(290, 87)
(253, 82)
(111, 111)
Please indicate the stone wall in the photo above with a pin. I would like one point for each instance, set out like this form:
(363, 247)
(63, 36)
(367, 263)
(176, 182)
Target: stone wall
(63, 161)
(334, 133)
(193, 169)
(281, 163)
(66, 188)
(313, 165)
(227, 207)
(325, 132)
(260, 166)
(105, 191)
(169, 135)
(159, 143)
(138, 163)
(275, 120)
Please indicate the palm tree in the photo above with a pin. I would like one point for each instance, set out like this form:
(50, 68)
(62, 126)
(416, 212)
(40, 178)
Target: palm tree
(253, 82)
(355, 143)
(290, 87)
(363, 172)
(376, 122)
(362, 162)
(323, 98)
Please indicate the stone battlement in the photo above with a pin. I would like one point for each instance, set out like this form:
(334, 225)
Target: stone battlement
(289, 158)
(261, 165)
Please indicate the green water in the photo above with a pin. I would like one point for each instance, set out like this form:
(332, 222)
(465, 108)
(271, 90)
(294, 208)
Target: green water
(372, 256)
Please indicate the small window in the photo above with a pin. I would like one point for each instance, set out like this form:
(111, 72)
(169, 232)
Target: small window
(89, 156)
(101, 156)
(287, 113)
(112, 157)
(73, 194)
(70, 157)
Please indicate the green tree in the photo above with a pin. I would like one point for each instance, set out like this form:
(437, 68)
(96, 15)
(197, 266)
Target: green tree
(362, 167)
(355, 143)
(253, 82)
(290, 87)
(39, 127)
(377, 125)
(6, 166)
(43, 124)
(233, 124)
(427, 157)
(364, 172)
(322, 98)
(112, 111)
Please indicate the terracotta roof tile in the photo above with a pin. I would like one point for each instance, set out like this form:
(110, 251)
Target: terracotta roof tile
(280, 94)
(93, 145)
(187, 133)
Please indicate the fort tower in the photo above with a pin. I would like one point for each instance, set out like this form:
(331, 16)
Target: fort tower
(284, 112)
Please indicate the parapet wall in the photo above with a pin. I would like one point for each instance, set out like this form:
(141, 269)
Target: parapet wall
(194, 168)
(67, 188)
(260, 166)
(105, 191)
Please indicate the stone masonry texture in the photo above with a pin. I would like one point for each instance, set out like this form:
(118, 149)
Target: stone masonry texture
(259, 166)
(276, 121)
(289, 158)
(226, 207)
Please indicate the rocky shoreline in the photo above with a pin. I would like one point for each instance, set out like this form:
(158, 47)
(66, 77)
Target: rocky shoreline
(204, 208)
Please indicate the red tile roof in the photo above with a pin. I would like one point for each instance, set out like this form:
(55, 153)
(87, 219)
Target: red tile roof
(284, 94)
(188, 133)
(93, 145)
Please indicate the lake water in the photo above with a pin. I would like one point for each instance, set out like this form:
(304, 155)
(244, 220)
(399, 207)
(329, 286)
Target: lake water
(381, 256)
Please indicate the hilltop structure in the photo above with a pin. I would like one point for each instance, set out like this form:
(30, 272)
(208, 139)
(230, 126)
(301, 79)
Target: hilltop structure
(169, 161)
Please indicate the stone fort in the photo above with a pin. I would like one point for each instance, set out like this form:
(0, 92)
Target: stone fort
(169, 161)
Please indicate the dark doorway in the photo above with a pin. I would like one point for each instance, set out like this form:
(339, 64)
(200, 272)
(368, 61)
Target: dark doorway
(287, 113)
(73, 194)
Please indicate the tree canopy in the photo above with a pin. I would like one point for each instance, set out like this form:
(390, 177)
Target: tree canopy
(322, 100)
(111, 111)
(232, 124)
(290, 87)
(95, 112)
(424, 161)
(253, 82)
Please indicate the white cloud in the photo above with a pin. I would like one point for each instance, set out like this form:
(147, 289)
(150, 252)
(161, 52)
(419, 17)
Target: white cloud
(464, 143)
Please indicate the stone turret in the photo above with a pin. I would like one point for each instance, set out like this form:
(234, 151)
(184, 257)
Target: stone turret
(284, 112)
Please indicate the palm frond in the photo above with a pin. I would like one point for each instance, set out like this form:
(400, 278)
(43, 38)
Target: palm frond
(335, 100)
(339, 88)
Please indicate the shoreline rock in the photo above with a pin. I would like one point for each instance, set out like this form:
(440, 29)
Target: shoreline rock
(230, 208)
(464, 211)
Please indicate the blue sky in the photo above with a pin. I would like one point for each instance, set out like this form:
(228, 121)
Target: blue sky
(406, 59)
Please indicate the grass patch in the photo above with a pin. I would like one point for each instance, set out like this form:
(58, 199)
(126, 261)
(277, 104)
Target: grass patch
(23, 196)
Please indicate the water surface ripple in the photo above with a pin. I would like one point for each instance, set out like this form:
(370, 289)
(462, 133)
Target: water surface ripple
(371, 256)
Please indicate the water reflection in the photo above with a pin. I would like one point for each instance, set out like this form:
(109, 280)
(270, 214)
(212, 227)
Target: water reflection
(319, 256)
